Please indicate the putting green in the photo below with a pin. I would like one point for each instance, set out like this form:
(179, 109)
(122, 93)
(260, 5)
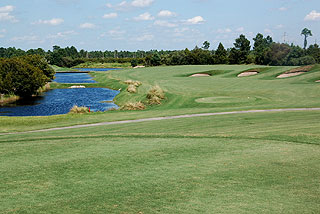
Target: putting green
(225, 99)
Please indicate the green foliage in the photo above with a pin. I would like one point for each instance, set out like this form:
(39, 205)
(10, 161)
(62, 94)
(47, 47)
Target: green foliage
(206, 45)
(41, 63)
(277, 53)
(19, 77)
(221, 55)
(261, 46)
(306, 33)
(241, 50)
(134, 62)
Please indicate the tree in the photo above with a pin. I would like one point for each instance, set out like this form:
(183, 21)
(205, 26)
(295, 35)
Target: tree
(41, 63)
(206, 45)
(314, 51)
(221, 55)
(306, 32)
(241, 50)
(277, 53)
(20, 78)
(260, 47)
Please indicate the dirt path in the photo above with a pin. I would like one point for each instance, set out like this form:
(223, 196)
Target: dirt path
(164, 118)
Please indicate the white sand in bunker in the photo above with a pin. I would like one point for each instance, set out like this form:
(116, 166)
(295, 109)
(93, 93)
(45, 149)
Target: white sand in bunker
(296, 71)
(200, 75)
(248, 73)
(289, 74)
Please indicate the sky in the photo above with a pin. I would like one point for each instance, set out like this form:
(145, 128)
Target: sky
(153, 24)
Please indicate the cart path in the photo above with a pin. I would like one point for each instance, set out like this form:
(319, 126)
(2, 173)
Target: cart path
(164, 118)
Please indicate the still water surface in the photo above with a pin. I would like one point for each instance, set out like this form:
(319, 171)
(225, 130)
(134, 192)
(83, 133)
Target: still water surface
(60, 101)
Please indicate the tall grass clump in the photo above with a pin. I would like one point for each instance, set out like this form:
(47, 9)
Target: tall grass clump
(133, 85)
(133, 106)
(155, 95)
(79, 110)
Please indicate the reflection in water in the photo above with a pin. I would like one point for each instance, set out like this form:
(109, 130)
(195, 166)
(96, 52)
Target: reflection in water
(73, 78)
(60, 101)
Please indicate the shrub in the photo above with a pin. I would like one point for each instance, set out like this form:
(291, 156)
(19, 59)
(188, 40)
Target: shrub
(155, 95)
(132, 89)
(133, 106)
(20, 78)
(132, 82)
(79, 110)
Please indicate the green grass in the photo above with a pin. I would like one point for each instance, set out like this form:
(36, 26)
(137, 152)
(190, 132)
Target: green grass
(251, 163)
(103, 65)
(245, 163)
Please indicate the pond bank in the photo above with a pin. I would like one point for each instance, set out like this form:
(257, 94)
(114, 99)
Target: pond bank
(5, 99)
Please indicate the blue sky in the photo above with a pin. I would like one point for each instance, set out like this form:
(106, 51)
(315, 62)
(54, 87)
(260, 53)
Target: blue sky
(152, 24)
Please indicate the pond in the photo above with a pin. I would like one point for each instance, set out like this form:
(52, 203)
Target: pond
(73, 78)
(96, 69)
(60, 101)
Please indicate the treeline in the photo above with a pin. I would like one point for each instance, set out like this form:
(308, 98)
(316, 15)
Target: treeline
(264, 51)
(24, 76)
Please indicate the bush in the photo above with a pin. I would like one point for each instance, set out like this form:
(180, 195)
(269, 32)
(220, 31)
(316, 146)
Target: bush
(134, 62)
(79, 110)
(20, 78)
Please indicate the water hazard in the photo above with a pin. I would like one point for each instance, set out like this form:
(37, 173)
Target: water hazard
(60, 101)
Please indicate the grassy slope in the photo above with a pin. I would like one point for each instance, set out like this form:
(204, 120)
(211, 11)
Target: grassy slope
(248, 163)
(266, 163)
(230, 93)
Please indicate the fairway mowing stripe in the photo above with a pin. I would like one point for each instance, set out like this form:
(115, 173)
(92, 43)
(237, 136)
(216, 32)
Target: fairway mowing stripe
(164, 118)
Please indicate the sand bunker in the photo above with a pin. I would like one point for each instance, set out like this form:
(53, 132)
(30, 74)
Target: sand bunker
(248, 73)
(318, 81)
(296, 71)
(200, 75)
(285, 75)
(77, 86)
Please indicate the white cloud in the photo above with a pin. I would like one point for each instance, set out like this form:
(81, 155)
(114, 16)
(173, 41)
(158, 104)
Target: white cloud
(141, 3)
(283, 9)
(146, 37)
(312, 16)
(124, 5)
(6, 9)
(5, 13)
(195, 20)
(279, 26)
(166, 13)
(226, 30)
(144, 17)
(61, 34)
(87, 25)
(54, 21)
(164, 23)
(267, 30)
(30, 38)
(240, 29)
(110, 16)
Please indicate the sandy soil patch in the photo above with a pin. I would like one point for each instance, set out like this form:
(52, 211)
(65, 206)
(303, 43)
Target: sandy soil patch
(318, 81)
(248, 73)
(296, 71)
(200, 75)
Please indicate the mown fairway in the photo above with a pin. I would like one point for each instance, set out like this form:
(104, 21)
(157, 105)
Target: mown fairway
(246, 163)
